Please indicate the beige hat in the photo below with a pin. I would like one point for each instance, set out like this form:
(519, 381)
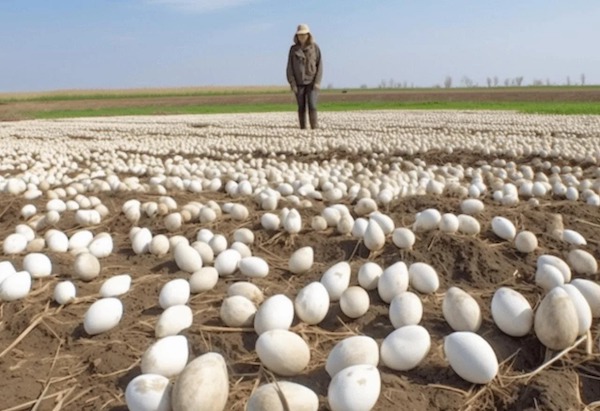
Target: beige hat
(303, 29)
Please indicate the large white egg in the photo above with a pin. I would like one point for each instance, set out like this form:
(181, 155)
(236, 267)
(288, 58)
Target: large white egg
(253, 267)
(64, 292)
(584, 312)
(471, 206)
(556, 323)
(243, 235)
(423, 278)
(312, 303)
(301, 260)
(15, 286)
(511, 312)
(175, 292)
(204, 279)
(173, 320)
(355, 388)
(283, 352)
(355, 350)
(405, 347)
(148, 392)
(228, 261)
(336, 279)
(86, 266)
(468, 225)
(354, 302)
(591, 292)
(268, 397)
(449, 223)
(405, 309)
(276, 312)
(187, 258)
(471, 357)
(103, 315)
(368, 275)
(548, 276)
(6, 269)
(385, 221)
(237, 311)
(38, 265)
(167, 356)
(526, 242)
(573, 237)
(116, 286)
(159, 245)
(206, 253)
(14, 244)
(461, 311)
(393, 281)
(140, 243)
(374, 237)
(101, 246)
(503, 228)
(582, 262)
(80, 239)
(203, 385)
(427, 220)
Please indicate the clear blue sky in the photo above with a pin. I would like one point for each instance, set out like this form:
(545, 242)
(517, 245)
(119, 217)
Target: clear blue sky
(83, 44)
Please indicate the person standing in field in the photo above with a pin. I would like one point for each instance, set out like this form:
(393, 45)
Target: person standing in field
(304, 73)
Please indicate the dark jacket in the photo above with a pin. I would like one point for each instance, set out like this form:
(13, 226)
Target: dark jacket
(305, 65)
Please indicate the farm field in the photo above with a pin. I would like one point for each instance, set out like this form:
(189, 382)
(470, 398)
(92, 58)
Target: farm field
(84, 103)
(176, 175)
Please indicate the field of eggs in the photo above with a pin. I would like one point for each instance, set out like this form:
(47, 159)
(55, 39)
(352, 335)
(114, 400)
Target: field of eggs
(389, 260)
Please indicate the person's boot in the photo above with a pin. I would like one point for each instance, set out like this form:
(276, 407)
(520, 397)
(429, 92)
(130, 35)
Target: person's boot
(302, 119)
(312, 115)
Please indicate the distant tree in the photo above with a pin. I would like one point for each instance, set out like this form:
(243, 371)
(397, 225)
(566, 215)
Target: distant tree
(448, 82)
(363, 86)
(436, 86)
(405, 84)
(329, 86)
(383, 84)
(548, 82)
(537, 82)
(495, 81)
(583, 79)
(519, 81)
(506, 82)
(568, 81)
(489, 81)
(466, 81)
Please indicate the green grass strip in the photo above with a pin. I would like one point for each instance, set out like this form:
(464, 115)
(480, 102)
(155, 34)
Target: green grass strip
(524, 107)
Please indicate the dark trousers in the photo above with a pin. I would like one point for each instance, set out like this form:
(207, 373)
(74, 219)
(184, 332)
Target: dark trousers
(307, 97)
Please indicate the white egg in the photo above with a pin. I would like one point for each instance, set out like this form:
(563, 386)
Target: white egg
(37, 265)
(187, 258)
(174, 292)
(243, 235)
(427, 220)
(511, 312)
(405, 309)
(293, 222)
(312, 303)
(556, 262)
(582, 262)
(86, 266)
(423, 278)
(283, 352)
(573, 237)
(64, 292)
(468, 225)
(268, 397)
(403, 238)
(148, 392)
(461, 311)
(301, 260)
(584, 312)
(355, 388)
(336, 279)
(101, 246)
(206, 253)
(548, 276)
(116, 286)
(365, 206)
(237, 311)
(556, 323)
(203, 385)
(368, 275)
(246, 289)
(14, 244)
(359, 227)
(270, 221)
(218, 243)
(405, 348)
(471, 357)
(355, 350)
(204, 279)
(503, 228)
(173, 320)
(393, 281)
(276, 312)
(241, 248)
(167, 356)
(591, 292)
(6, 269)
(526, 242)
(159, 245)
(228, 262)
(103, 315)
(354, 302)
(374, 237)
(449, 223)
(253, 267)
(57, 241)
(385, 221)
(80, 239)
(471, 206)
(15, 286)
